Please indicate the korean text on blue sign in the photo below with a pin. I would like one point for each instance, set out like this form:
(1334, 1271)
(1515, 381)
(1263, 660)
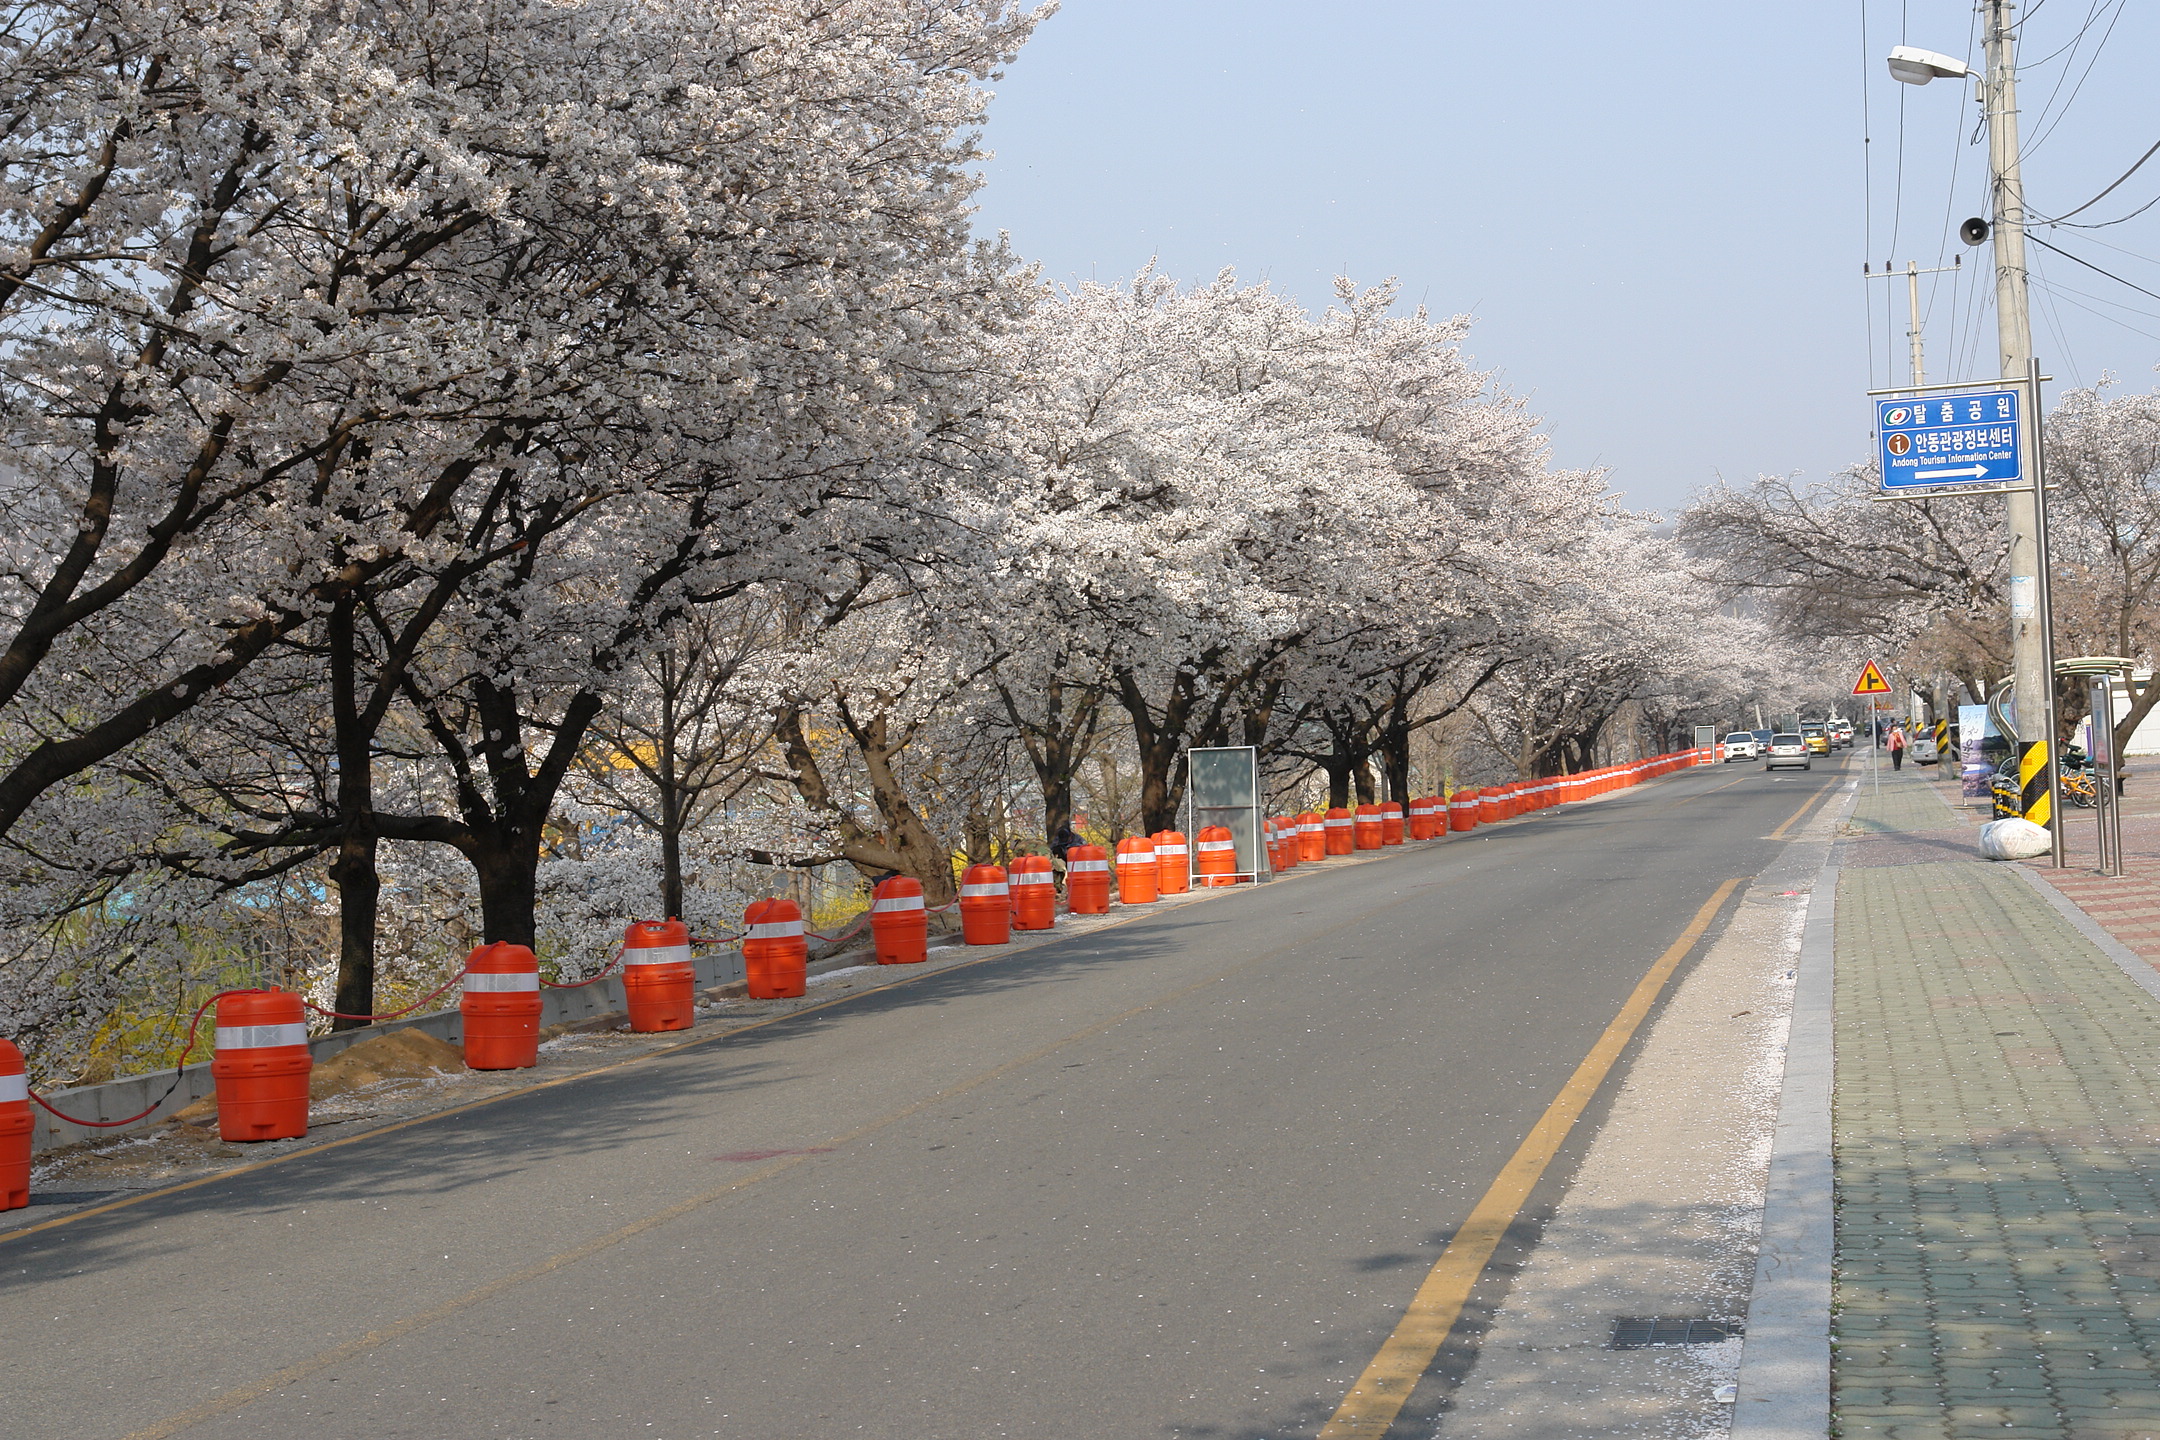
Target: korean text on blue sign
(1949, 440)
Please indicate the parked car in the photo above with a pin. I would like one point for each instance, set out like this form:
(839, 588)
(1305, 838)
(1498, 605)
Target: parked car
(1742, 745)
(1788, 751)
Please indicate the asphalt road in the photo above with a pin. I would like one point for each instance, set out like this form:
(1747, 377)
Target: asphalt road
(1179, 1178)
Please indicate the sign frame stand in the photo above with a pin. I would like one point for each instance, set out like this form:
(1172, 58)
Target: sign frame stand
(1255, 808)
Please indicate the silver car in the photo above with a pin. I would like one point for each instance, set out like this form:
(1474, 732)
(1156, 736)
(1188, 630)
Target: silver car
(1741, 745)
(1788, 750)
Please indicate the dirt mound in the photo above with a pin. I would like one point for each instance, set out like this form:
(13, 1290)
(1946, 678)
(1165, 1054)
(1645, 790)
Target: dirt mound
(400, 1055)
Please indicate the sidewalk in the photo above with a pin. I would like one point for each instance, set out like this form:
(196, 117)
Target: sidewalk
(1996, 1111)
(2128, 907)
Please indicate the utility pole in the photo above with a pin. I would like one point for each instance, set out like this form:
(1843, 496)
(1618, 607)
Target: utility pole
(2013, 329)
(1912, 273)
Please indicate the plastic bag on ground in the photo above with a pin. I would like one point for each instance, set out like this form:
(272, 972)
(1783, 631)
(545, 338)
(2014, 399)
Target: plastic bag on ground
(2014, 839)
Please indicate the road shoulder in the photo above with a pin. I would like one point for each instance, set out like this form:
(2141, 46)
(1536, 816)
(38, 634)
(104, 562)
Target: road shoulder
(1661, 1219)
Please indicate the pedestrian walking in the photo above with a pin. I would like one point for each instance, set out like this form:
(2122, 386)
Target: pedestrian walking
(1897, 747)
(1065, 838)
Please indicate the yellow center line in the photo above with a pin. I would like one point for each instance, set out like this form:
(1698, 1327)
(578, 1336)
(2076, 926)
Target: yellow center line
(1805, 806)
(1380, 1393)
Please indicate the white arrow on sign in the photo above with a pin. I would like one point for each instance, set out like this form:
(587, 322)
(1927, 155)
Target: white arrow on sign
(1970, 472)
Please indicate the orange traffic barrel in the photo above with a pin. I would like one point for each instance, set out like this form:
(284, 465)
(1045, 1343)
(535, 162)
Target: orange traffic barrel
(1311, 836)
(1286, 835)
(658, 979)
(1367, 829)
(1341, 836)
(1173, 863)
(1217, 856)
(1391, 822)
(261, 1067)
(1489, 810)
(1087, 880)
(15, 1128)
(1136, 871)
(1462, 810)
(776, 957)
(985, 905)
(899, 925)
(501, 1008)
(1421, 813)
(1034, 892)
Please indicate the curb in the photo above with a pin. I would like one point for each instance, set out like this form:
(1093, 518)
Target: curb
(1784, 1386)
(2132, 964)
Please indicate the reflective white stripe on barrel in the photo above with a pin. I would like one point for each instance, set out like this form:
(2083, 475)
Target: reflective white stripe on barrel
(893, 904)
(1137, 857)
(977, 891)
(1029, 877)
(776, 930)
(1165, 852)
(1087, 867)
(1342, 822)
(17, 1087)
(1207, 845)
(260, 1037)
(656, 955)
(483, 983)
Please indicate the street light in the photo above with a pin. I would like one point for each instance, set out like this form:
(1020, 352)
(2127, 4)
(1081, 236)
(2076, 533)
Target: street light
(1915, 66)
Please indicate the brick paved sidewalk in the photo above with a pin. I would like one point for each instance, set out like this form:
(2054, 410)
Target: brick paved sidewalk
(2128, 906)
(1996, 1113)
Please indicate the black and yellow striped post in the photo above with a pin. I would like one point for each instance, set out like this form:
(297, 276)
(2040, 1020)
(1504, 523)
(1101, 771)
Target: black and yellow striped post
(1942, 741)
(2036, 787)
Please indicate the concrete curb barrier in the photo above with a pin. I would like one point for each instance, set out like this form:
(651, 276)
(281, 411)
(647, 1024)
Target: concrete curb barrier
(559, 1010)
(1784, 1386)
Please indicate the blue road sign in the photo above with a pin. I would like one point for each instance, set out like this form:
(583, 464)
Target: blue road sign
(1949, 440)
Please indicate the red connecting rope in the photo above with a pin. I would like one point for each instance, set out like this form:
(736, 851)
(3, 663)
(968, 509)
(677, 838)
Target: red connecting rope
(178, 1068)
(590, 979)
(388, 1014)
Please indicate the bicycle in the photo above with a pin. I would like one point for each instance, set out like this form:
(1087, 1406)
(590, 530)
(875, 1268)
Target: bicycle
(2079, 789)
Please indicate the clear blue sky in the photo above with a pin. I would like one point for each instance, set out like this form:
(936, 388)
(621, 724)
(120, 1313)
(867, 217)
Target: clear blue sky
(1656, 213)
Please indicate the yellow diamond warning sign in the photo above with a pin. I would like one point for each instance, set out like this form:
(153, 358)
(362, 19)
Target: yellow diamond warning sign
(1871, 682)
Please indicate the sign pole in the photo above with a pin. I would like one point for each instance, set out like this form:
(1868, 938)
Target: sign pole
(2042, 594)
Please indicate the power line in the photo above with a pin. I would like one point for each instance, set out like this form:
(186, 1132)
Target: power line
(2077, 89)
(2059, 219)
(2097, 314)
(2090, 266)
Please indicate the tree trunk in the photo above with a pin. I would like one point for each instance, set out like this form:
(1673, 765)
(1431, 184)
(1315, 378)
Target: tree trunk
(359, 889)
(1395, 764)
(671, 811)
(1337, 767)
(359, 886)
(905, 845)
(507, 867)
(1161, 748)
(1058, 745)
(671, 881)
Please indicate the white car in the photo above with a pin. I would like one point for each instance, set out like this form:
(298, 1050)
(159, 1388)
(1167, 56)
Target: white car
(1788, 750)
(1740, 745)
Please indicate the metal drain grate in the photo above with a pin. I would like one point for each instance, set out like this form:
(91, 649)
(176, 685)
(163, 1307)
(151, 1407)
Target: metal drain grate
(1631, 1332)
